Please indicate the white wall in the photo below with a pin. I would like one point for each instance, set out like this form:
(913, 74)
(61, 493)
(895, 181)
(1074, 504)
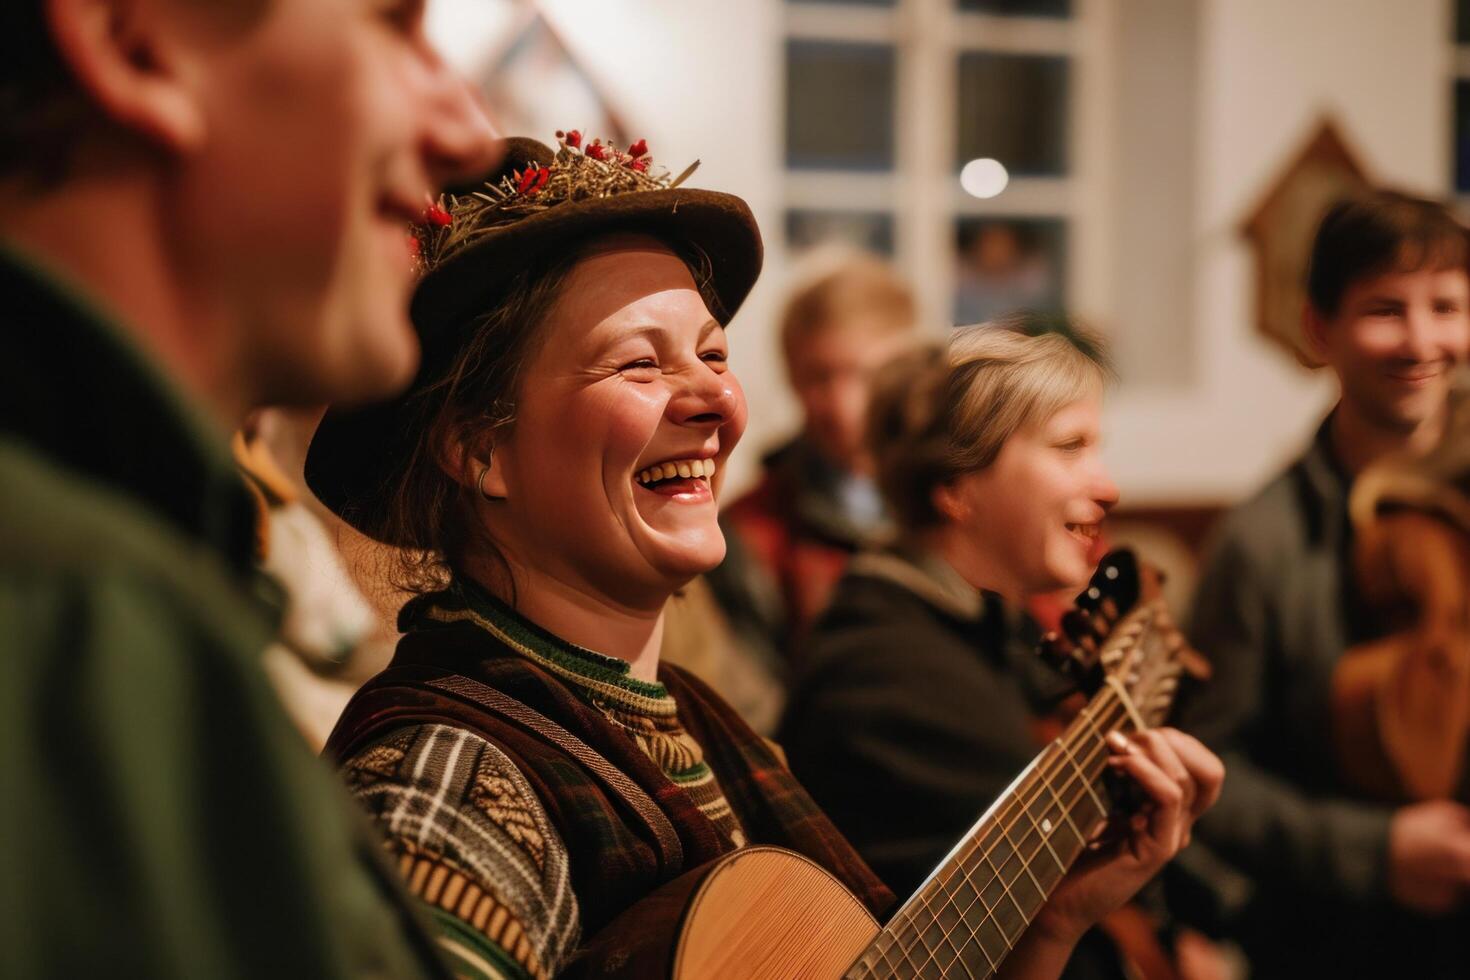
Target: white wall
(703, 78)
(1269, 69)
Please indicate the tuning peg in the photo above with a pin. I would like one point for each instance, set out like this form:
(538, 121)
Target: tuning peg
(1194, 663)
(1067, 657)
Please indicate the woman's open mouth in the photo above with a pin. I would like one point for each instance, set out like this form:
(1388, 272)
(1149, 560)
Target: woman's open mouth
(1086, 533)
(677, 476)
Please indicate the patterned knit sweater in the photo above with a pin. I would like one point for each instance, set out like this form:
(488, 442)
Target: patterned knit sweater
(474, 842)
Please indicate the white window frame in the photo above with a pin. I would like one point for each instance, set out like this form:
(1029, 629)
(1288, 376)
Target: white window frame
(922, 193)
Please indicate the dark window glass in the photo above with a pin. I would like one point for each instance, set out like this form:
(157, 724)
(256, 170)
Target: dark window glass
(1462, 136)
(1462, 21)
(839, 106)
(860, 3)
(1020, 8)
(871, 230)
(1014, 108)
(1007, 264)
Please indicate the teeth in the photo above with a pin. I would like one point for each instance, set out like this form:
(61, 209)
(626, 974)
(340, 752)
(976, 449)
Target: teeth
(685, 468)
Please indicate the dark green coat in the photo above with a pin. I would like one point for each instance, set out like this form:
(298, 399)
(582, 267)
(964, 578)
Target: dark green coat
(160, 817)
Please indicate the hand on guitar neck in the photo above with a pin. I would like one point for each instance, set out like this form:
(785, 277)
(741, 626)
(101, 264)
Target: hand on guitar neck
(1181, 779)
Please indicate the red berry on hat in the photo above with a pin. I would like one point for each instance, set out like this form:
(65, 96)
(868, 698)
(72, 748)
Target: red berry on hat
(434, 214)
(574, 138)
(638, 149)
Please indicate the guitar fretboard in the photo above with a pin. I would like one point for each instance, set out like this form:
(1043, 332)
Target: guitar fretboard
(972, 911)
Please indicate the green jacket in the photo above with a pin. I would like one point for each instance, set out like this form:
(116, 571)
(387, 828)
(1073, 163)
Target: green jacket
(160, 817)
(1274, 610)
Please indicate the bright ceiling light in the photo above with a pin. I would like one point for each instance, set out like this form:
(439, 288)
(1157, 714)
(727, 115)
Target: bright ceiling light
(984, 178)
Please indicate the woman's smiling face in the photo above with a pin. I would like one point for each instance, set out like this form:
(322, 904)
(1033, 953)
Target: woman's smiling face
(625, 418)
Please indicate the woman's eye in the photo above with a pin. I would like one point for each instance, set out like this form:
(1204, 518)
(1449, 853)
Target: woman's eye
(642, 364)
(714, 357)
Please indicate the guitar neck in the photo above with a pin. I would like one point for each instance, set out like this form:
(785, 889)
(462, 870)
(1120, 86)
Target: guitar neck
(976, 905)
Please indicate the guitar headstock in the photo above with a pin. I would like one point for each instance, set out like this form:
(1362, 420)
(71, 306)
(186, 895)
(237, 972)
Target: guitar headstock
(1121, 631)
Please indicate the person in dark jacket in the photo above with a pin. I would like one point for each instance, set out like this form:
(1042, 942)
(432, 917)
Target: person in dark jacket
(553, 475)
(202, 209)
(922, 696)
(1346, 885)
(817, 504)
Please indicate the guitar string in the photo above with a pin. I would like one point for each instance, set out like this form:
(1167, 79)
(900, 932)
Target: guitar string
(1120, 710)
(1030, 792)
(1042, 779)
(1075, 772)
(1023, 802)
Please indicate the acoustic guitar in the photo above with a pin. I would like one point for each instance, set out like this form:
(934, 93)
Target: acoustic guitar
(763, 913)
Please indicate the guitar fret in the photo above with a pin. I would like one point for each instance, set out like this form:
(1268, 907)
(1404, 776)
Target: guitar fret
(1102, 808)
(1065, 812)
(967, 897)
(1043, 828)
(977, 930)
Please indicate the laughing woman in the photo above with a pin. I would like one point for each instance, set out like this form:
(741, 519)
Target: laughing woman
(551, 477)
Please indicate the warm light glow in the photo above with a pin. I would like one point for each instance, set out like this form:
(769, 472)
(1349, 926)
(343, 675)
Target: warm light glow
(465, 32)
(984, 177)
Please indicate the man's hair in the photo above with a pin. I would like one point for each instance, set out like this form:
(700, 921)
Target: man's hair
(1375, 233)
(44, 114)
(839, 285)
(947, 409)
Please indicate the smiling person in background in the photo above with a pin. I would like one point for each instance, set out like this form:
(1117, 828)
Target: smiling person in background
(1347, 886)
(552, 476)
(921, 695)
(817, 503)
(202, 210)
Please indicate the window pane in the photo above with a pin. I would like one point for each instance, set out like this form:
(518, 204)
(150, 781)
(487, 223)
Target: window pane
(1014, 108)
(1462, 21)
(861, 3)
(1008, 264)
(870, 230)
(1020, 8)
(1462, 136)
(839, 106)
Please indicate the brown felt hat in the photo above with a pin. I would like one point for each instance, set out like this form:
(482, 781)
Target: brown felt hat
(535, 204)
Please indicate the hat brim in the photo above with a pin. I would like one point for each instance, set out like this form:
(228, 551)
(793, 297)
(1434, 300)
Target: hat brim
(356, 455)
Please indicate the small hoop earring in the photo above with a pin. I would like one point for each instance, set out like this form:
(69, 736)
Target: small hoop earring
(480, 483)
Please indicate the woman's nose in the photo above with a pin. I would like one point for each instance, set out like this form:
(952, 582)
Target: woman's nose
(1105, 492)
(707, 397)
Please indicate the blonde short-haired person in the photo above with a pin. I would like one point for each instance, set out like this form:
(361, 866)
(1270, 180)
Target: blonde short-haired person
(848, 314)
(918, 701)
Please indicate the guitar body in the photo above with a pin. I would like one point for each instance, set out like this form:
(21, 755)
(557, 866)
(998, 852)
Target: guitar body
(759, 913)
(764, 913)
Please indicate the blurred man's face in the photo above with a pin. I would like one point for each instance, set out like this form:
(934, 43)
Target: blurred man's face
(329, 124)
(832, 373)
(1395, 341)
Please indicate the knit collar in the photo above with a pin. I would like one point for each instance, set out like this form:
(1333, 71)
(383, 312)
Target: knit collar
(596, 675)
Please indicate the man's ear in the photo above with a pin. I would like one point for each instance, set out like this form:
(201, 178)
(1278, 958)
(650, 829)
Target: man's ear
(128, 56)
(949, 502)
(1314, 333)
